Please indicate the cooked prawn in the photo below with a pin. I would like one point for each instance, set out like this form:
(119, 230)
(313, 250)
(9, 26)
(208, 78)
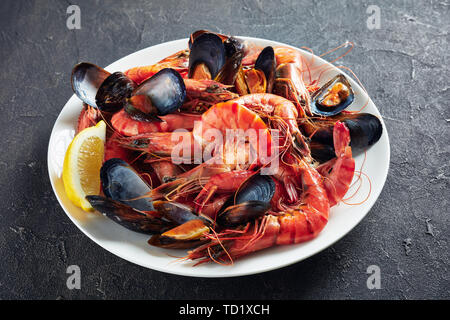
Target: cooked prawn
(295, 225)
(282, 111)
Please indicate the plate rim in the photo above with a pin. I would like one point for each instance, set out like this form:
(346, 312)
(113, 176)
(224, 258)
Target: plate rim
(236, 274)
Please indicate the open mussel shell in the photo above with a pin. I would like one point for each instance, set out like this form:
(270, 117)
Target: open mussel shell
(252, 200)
(177, 212)
(122, 183)
(267, 64)
(234, 51)
(333, 97)
(233, 45)
(207, 49)
(365, 130)
(227, 75)
(128, 217)
(169, 243)
(190, 230)
(86, 80)
(113, 92)
(194, 35)
(99, 88)
(322, 152)
(242, 213)
(187, 235)
(258, 187)
(165, 90)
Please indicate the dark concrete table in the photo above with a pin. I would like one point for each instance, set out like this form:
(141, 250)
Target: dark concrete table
(404, 66)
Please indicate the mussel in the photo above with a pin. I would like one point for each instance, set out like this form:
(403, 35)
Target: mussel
(130, 218)
(251, 201)
(218, 57)
(259, 79)
(159, 95)
(99, 88)
(232, 44)
(178, 213)
(122, 183)
(194, 35)
(127, 203)
(227, 75)
(170, 243)
(333, 97)
(266, 63)
(365, 130)
(207, 56)
(189, 232)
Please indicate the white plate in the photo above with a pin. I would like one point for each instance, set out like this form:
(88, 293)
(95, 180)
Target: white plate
(133, 246)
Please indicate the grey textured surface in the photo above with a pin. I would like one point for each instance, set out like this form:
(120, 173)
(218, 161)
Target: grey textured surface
(404, 66)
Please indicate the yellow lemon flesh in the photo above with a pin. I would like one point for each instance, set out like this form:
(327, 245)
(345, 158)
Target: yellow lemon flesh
(82, 163)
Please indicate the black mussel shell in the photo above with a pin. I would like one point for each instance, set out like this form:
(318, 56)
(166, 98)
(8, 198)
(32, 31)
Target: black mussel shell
(267, 64)
(209, 49)
(227, 75)
(122, 183)
(233, 45)
(166, 91)
(113, 92)
(322, 152)
(250, 201)
(258, 187)
(139, 115)
(177, 212)
(242, 213)
(128, 217)
(169, 243)
(365, 130)
(193, 36)
(317, 106)
(86, 79)
(99, 88)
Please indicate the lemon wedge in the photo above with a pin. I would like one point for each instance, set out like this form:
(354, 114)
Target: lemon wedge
(82, 163)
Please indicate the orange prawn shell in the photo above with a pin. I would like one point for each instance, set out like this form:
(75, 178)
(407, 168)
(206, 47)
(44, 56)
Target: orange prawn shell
(288, 55)
(231, 115)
